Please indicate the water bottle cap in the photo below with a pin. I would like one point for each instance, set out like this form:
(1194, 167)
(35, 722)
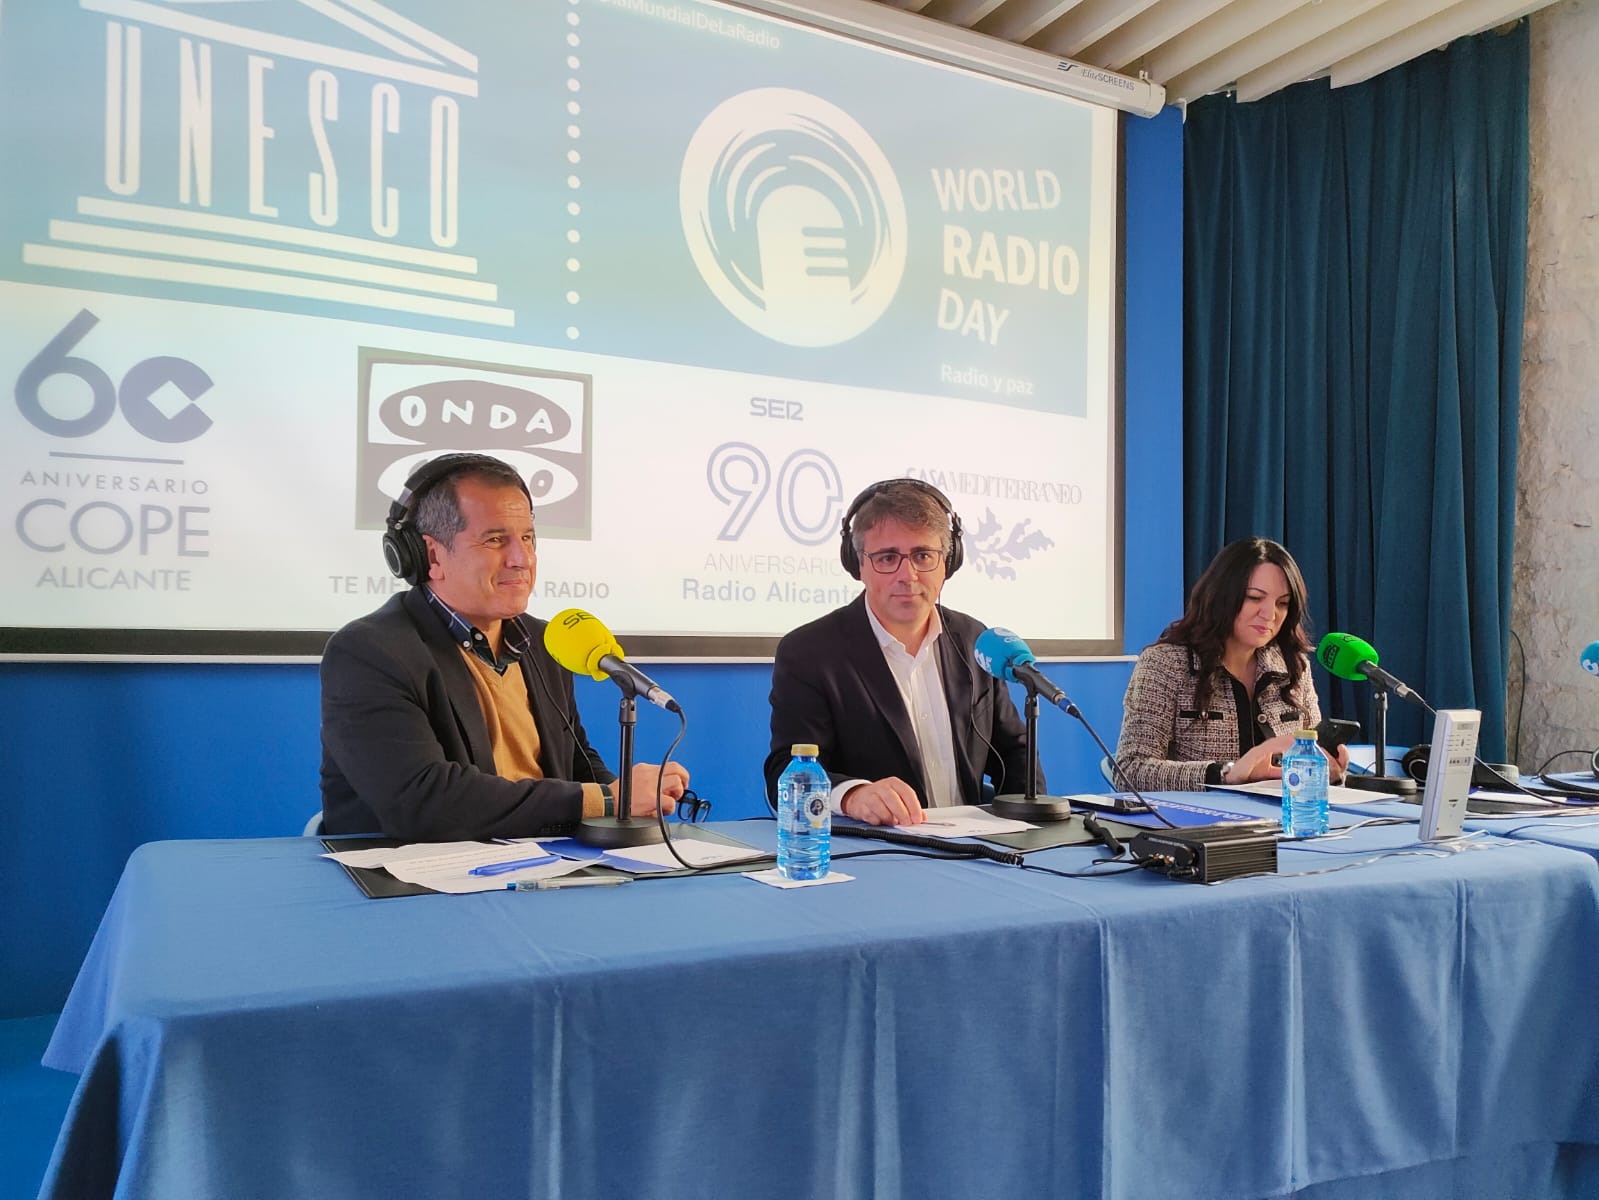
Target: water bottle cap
(804, 750)
(1306, 735)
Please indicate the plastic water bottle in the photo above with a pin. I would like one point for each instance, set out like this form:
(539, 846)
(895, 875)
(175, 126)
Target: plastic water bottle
(804, 817)
(1304, 787)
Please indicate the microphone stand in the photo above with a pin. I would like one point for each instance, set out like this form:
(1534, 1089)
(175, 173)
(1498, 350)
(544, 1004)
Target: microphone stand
(1379, 780)
(621, 830)
(1030, 806)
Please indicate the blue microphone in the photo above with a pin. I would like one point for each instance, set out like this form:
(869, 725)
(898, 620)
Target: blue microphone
(1005, 656)
(1590, 658)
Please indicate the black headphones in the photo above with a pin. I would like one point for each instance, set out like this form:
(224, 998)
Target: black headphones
(403, 547)
(1483, 774)
(846, 547)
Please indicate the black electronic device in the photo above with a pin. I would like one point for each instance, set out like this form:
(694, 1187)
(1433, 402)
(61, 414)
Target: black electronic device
(1333, 732)
(1209, 853)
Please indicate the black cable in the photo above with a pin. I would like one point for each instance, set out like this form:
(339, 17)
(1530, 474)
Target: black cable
(1123, 869)
(1555, 755)
(1116, 769)
(1561, 785)
(682, 729)
(1009, 858)
(660, 780)
(1102, 835)
(971, 718)
(1521, 692)
(1476, 761)
(909, 852)
(1074, 711)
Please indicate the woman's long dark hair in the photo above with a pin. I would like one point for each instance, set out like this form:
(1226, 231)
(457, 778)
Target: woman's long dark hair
(1213, 606)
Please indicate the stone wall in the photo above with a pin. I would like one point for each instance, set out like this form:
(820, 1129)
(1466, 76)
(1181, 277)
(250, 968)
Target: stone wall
(1555, 606)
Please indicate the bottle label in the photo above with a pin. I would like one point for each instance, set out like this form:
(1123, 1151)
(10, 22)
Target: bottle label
(816, 809)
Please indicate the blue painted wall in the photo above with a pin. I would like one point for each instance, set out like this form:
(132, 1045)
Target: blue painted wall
(99, 758)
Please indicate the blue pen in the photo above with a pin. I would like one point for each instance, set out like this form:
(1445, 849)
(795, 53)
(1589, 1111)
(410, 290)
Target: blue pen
(516, 864)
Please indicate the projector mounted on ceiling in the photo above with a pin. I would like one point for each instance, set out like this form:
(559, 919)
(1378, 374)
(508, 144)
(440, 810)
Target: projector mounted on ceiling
(911, 33)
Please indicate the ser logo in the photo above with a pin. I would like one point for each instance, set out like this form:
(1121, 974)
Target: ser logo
(52, 406)
(415, 408)
(793, 216)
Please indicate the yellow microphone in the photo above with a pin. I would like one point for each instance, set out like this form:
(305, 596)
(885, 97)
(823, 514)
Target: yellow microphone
(581, 643)
(578, 640)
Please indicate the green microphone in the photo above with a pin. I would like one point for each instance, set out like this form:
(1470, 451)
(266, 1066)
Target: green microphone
(1349, 657)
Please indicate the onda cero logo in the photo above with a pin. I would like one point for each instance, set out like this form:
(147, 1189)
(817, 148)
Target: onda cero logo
(414, 408)
(793, 217)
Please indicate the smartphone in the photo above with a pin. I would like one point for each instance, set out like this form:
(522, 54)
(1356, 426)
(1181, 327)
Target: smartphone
(1333, 732)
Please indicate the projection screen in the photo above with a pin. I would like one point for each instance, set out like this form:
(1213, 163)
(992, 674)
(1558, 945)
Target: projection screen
(699, 274)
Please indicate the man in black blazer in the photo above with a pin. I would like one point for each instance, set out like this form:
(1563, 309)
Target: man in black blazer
(443, 716)
(886, 686)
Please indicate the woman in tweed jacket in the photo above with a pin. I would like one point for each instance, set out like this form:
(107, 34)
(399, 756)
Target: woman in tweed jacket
(1227, 686)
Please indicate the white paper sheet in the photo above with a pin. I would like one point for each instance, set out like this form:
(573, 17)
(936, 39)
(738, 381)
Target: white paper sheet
(447, 866)
(1272, 789)
(964, 820)
(637, 860)
(772, 879)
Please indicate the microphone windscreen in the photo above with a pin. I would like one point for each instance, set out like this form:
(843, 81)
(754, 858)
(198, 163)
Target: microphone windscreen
(999, 650)
(1344, 654)
(578, 640)
(1590, 658)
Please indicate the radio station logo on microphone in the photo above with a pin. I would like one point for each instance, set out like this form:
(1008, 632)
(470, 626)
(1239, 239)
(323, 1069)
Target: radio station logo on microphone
(414, 408)
(793, 216)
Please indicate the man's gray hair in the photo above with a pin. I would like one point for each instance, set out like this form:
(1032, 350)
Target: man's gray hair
(438, 513)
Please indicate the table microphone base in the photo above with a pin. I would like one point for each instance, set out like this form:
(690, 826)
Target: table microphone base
(1395, 785)
(1032, 808)
(610, 832)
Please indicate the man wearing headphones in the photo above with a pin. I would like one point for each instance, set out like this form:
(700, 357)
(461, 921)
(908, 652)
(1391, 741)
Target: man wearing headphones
(443, 717)
(886, 686)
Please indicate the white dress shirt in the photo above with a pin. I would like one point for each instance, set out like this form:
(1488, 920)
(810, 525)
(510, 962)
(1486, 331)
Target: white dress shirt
(921, 687)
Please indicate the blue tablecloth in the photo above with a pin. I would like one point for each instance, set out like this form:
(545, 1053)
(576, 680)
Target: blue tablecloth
(248, 1024)
(1574, 829)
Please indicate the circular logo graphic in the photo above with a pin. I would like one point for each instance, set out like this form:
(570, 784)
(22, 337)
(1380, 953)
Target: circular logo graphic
(793, 217)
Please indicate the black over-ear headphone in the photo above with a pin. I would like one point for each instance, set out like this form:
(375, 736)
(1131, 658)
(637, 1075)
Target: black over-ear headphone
(403, 547)
(846, 547)
(1499, 776)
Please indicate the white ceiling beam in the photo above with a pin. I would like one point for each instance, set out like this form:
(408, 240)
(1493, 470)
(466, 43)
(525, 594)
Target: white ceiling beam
(914, 6)
(1086, 24)
(912, 33)
(1317, 55)
(1148, 29)
(1271, 43)
(1018, 20)
(964, 13)
(1214, 34)
(1462, 20)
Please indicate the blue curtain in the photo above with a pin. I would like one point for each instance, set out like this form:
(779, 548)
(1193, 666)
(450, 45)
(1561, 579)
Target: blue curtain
(1355, 269)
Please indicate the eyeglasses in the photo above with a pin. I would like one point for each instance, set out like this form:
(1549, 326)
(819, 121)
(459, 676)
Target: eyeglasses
(690, 808)
(886, 562)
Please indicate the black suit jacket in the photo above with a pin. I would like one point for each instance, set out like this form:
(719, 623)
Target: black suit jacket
(832, 686)
(405, 750)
